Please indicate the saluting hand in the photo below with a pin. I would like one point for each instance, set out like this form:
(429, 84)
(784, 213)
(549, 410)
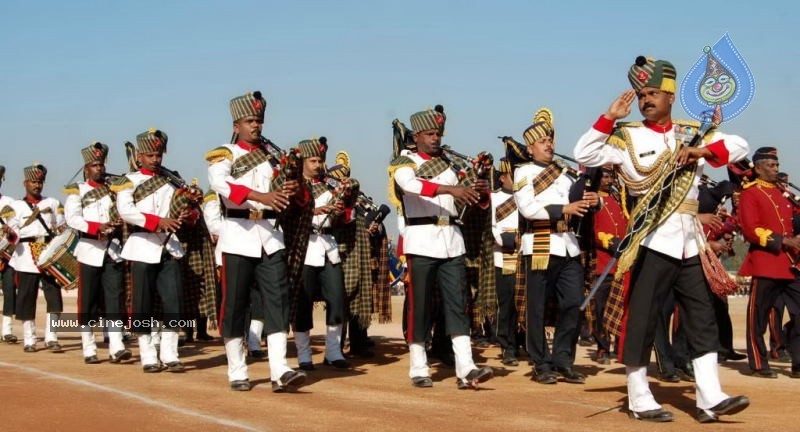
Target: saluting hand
(621, 107)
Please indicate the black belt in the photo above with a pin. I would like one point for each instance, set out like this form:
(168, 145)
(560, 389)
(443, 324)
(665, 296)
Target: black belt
(35, 239)
(84, 235)
(326, 231)
(251, 214)
(431, 220)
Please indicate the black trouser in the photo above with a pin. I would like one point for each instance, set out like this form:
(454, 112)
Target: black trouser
(450, 276)
(163, 278)
(563, 278)
(654, 276)
(101, 291)
(326, 283)
(9, 291)
(762, 297)
(358, 336)
(268, 275)
(506, 330)
(599, 332)
(777, 334)
(28, 290)
(724, 324)
(672, 348)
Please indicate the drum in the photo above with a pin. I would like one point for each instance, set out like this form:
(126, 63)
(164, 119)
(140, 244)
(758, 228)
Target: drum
(58, 259)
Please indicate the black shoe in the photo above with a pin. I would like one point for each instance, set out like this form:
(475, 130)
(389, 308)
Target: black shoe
(175, 366)
(602, 358)
(795, 372)
(10, 339)
(671, 377)
(307, 366)
(733, 355)
(704, 417)
(545, 377)
(361, 352)
(204, 337)
(422, 382)
(92, 359)
(765, 373)
(240, 385)
(475, 377)
(657, 415)
(570, 375)
(509, 359)
(123, 354)
(289, 381)
(731, 405)
(182, 341)
(586, 341)
(257, 354)
(338, 364)
(29, 349)
(781, 356)
(151, 368)
(54, 346)
(686, 373)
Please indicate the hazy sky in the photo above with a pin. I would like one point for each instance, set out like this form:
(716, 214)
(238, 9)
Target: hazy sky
(76, 72)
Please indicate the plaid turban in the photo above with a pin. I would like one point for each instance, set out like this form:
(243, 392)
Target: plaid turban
(35, 172)
(765, 153)
(251, 104)
(97, 152)
(505, 166)
(647, 72)
(2, 173)
(427, 120)
(342, 168)
(542, 126)
(313, 147)
(151, 141)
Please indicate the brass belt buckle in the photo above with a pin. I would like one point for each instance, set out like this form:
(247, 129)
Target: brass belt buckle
(255, 214)
(443, 220)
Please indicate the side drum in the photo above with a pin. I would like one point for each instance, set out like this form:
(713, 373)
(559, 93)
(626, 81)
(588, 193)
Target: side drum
(58, 259)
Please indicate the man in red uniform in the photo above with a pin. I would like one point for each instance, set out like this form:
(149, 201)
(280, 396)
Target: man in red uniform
(766, 219)
(609, 228)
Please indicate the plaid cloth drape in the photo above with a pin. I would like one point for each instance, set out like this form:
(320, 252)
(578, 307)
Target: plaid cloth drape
(354, 250)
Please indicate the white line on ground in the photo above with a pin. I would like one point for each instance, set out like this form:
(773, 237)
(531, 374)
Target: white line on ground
(143, 399)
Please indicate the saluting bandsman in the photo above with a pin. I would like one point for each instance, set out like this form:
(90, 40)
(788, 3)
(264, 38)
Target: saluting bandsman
(542, 190)
(143, 200)
(663, 253)
(322, 271)
(253, 251)
(428, 186)
(36, 220)
(6, 272)
(90, 209)
(766, 217)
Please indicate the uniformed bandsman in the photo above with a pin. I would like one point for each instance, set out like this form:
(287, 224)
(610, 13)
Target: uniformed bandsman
(143, 200)
(766, 218)
(253, 251)
(428, 186)
(36, 220)
(663, 253)
(90, 209)
(6, 272)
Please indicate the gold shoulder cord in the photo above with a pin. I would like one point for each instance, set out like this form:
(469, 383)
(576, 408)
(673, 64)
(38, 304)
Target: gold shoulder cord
(650, 173)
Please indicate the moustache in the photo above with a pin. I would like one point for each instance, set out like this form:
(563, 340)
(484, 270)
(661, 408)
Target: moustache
(648, 105)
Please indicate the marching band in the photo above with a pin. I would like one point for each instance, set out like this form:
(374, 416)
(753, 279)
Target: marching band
(633, 234)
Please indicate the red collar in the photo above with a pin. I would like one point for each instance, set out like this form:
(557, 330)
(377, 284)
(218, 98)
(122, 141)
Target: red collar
(656, 128)
(424, 156)
(246, 146)
(147, 172)
(93, 184)
(32, 200)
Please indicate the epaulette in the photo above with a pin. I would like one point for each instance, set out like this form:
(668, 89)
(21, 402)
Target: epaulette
(218, 154)
(122, 183)
(398, 162)
(7, 212)
(60, 209)
(71, 189)
(618, 137)
(750, 184)
(690, 123)
(520, 184)
(211, 195)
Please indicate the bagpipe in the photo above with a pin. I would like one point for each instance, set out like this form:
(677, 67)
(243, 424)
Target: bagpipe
(289, 163)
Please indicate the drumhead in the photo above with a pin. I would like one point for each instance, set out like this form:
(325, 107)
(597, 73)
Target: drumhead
(61, 241)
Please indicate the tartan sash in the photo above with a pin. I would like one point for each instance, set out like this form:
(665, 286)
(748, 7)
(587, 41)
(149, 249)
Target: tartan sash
(546, 177)
(432, 168)
(318, 189)
(246, 163)
(506, 209)
(541, 228)
(97, 194)
(148, 187)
